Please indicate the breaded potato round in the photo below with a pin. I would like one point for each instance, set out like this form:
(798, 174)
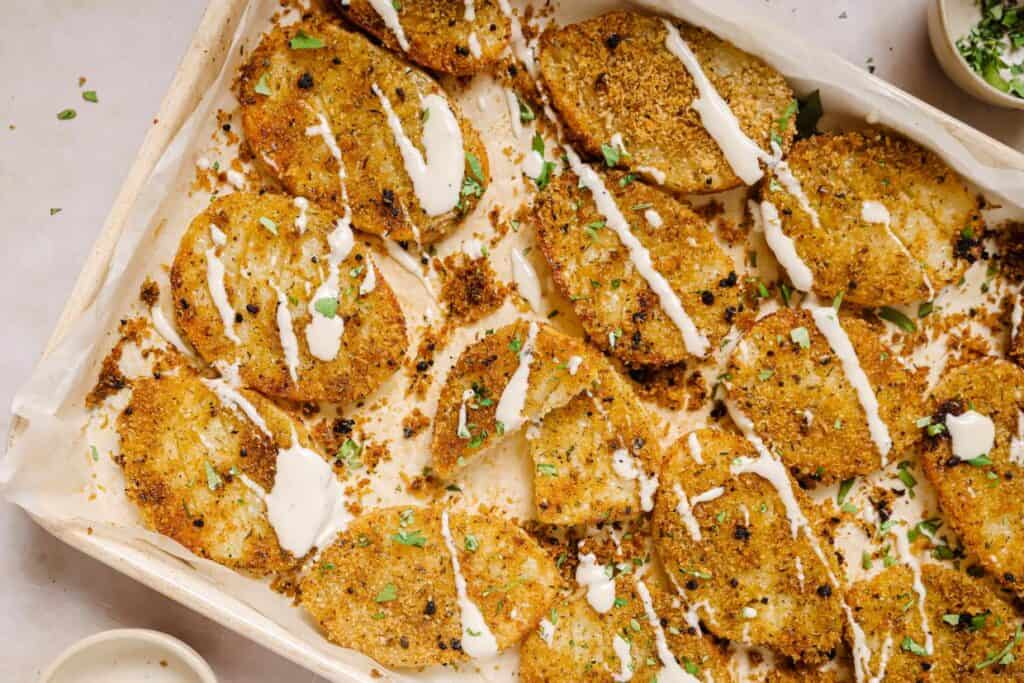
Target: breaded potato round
(614, 75)
(784, 672)
(582, 641)
(728, 543)
(972, 629)
(594, 270)
(387, 587)
(927, 232)
(983, 502)
(272, 272)
(475, 385)
(184, 452)
(336, 82)
(438, 34)
(805, 408)
(591, 456)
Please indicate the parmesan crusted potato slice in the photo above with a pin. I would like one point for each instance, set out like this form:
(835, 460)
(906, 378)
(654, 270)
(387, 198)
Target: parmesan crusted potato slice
(184, 453)
(894, 218)
(578, 644)
(982, 502)
(619, 310)
(468, 419)
(596, 457)
(345, 84)
(973, 631)
(785, 376)
(614, 75)
(438, 34)
(273, 272)
(387, 586)
(729, 544)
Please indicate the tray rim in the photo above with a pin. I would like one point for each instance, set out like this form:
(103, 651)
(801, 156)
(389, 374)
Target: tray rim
(216, 23)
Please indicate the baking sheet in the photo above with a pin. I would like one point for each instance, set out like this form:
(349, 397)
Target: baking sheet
(48, 469)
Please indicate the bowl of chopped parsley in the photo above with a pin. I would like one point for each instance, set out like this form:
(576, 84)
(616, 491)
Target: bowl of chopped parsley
(980, 46)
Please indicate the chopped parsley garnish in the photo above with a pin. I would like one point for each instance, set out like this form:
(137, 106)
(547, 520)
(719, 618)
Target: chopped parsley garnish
(611, 155)
(907, 478)
(478, 440)
(387, 593)
(544, 179)
(801, 337)
(270, 225)
(926, 527)
(1005, 656)
(515, 345)
(213, 480)
(525, 112)
(261, 86)
(782, 125)
(413, 538)
(925, 309)
(910, 645)
(471, 543)
(55, 211)
(94, 453)
(980, 461)
(547, 469)
(476, 168)
(90, 96)
(350, 453)
(897, 318)
(1000, 31)
(304, 41)
(327, 306)
(67, 115)
(844, 490)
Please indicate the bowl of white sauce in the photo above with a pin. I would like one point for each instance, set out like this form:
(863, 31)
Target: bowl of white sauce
(129, 656)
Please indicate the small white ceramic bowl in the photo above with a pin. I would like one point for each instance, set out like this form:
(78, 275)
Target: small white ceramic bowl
(948, 21)
(129, 655)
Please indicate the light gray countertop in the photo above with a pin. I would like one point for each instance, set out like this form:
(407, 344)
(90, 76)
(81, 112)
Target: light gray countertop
(128, 52)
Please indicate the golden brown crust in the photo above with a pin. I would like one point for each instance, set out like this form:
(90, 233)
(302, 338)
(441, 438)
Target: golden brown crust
(595, 272)
(574, 481)
(340, 79)
(879, 606)
(613, 74)
(397, 603)
(485, 368)
(257, 263)
(747, 557)
(174, 432)
(805, 408)
(581, 647)
(438, 33)
(930, 208)
(983, 503)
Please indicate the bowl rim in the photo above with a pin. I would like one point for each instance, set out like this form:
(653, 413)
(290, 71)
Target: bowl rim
(157, 639)
(1009, 100)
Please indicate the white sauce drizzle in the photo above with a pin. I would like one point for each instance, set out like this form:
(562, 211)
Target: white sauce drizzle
(218, 236)
(306, 507)
(477, 639)
(520, 48)
(389, 14)
(474, 45)
(462, 431)
(233, 399)
(876, 213)
(653, 218)
(799, 571)
(533, 164)
(670, 672)
(621, 647)
(827, 321)
(685, 512)
(323, 334)
(437, 180)
(513, 398)
(693, 443)
(600, 587)
(973, 434)
(166, 330)
(708, 496)
(657, 175)
(470, 14)
(695, 342)
(573, 365)
(289, 342)
(302, 220)
(370, 279)
(883, 663)
(526, 280)
(626, 467)
(219, 294)
(648, 487)
(742, 154)
(236, 179)
(546, 631)
(784, 248)
(1017, 315)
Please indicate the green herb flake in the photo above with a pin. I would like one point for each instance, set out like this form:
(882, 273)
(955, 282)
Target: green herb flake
(476, 168)
(411, 538)
(327, 306)
(925, 309)
(980, 461)
(547, 469)
(844, 490)
(801, 337)
(611, 155)
(471, 543)
(304, 41)
(910, 645)
(387, 593)
(349, 454)
(525, 112)
(213, 480)
(66, 114)
(90, 96)
(1005, 656)
(897, 318)
(94, 453)
(782, 124)
(262, 88)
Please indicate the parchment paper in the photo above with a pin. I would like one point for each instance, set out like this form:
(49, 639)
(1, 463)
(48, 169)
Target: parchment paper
(49, 471)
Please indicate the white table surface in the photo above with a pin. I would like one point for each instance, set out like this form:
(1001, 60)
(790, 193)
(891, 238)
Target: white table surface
(52, 595)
